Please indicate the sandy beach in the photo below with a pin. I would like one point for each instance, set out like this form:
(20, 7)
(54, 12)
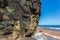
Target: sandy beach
(47, 34)
(50, 34)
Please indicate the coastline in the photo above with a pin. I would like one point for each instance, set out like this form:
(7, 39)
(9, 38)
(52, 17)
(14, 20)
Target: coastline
(50, 34)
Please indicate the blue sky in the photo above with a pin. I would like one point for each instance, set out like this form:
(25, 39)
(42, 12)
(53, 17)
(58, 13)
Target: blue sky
(50, 12)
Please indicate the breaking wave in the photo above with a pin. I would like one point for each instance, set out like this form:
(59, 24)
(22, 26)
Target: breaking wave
(54, 28)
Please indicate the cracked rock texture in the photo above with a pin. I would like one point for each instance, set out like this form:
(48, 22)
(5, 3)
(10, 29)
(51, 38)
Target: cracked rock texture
(18, 18)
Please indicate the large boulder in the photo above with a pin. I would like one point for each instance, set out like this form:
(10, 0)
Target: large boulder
(19, 18)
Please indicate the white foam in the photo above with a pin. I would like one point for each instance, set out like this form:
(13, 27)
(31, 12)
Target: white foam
(50, 28)
(54, 28)
(39, 36)
(52, 36)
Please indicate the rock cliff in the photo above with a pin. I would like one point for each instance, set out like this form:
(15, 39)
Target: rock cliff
(18, 18)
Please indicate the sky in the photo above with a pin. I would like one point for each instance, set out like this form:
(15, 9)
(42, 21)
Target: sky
(50, 12)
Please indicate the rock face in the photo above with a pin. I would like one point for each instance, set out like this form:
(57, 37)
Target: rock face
(19, 18)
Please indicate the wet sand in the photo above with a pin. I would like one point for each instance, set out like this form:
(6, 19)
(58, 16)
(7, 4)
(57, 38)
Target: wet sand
(50, 34)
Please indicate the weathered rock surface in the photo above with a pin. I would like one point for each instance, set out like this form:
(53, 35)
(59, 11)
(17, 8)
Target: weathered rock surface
(18, 18)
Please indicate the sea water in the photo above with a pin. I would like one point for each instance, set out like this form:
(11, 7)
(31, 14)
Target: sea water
(54, 27)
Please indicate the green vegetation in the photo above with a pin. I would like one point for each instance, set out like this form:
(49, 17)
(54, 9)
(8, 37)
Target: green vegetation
(9, 10)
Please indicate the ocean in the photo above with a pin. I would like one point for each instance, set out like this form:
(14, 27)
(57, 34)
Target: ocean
(55, 27)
